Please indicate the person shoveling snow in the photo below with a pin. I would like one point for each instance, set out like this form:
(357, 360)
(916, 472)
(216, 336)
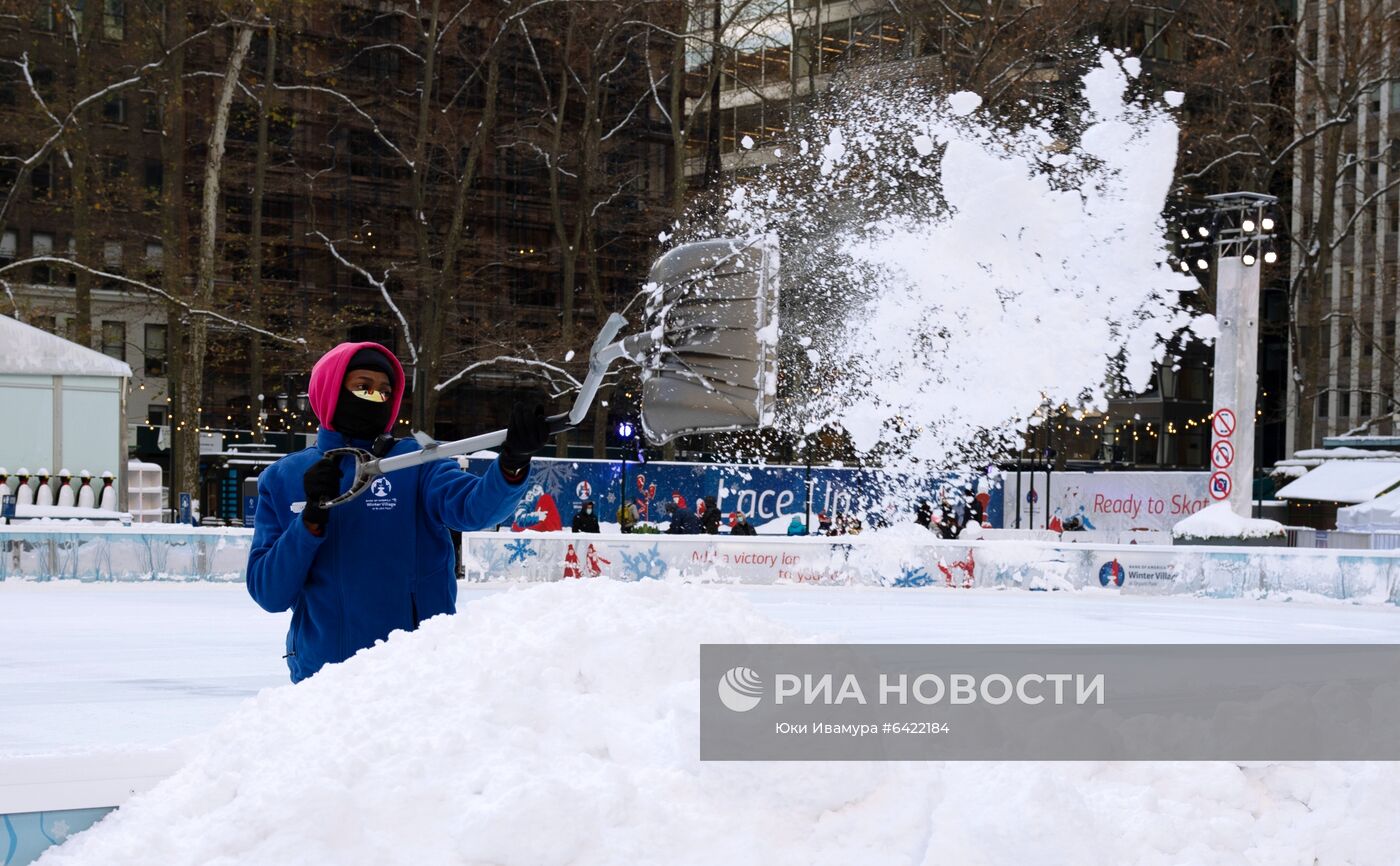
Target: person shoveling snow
(384, 562)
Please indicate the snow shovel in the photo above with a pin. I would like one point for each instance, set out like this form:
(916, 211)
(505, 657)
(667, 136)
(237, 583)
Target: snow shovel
(709, 355)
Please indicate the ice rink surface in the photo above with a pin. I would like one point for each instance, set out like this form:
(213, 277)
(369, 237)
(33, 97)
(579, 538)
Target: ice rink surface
(87, 665)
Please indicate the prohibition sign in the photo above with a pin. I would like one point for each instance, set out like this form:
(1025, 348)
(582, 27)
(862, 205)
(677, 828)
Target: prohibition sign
(1220, 485)
(1222, 454)
(1224, 423)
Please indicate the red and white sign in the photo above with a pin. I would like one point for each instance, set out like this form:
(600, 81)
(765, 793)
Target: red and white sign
(584, 490)
(1220, 486)
(1222, 454)
(1223, 423)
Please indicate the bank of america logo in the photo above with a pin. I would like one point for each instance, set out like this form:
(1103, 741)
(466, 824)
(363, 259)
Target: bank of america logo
(740, 689)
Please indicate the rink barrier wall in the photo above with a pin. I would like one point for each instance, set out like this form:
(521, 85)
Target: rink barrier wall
(190, 554)
(44, 799)
(97, 553)
(1221, 572)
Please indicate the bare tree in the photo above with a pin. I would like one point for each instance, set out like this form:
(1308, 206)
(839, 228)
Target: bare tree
(454, 50)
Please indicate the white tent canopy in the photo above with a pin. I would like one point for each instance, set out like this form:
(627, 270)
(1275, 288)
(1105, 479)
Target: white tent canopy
(1378, 515)
(29, 351)
(64, 405)
(1346, 481)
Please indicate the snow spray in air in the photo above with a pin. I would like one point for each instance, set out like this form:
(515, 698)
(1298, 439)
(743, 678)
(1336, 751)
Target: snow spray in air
(946, 274)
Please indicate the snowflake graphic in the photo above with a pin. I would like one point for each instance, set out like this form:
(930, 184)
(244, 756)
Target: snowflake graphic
(646, 565)
(520, 551)
(914, 575)
(553, 475)
(489, 559)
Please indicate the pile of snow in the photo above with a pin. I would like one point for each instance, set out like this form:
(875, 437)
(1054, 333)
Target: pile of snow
(1220, 521)
(559, 724)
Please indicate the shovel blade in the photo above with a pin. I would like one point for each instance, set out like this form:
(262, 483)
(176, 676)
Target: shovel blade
(715, 368)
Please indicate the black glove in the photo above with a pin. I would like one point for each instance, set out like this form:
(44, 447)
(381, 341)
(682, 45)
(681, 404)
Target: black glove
(527, 433)
(321, 482)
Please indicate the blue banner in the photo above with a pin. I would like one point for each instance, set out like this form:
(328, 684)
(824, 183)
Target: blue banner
(765, 494)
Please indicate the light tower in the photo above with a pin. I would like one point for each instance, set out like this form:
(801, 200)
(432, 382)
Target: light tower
(1239, 240)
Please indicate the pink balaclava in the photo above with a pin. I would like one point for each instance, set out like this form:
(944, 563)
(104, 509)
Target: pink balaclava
(328, 377)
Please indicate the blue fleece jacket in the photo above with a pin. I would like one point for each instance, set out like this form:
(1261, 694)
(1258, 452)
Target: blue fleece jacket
(385, 560)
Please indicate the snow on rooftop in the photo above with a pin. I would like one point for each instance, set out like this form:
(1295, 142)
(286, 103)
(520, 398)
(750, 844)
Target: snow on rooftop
(1345, 481)
(1345, 454)
(1220, 521)
(28, 351)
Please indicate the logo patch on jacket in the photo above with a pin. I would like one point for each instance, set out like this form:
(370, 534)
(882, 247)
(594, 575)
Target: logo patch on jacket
(381, 496)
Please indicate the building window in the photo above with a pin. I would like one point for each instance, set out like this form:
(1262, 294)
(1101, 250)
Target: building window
(112, 256)
(152, 123)
(155, 258)
(1322, 404)
(114, 340)
(1344, 407)
(114, 110)
(41, 181)
(41, 244)
(154, 350)
(1365, 405)
(114, 19)
(9, 244)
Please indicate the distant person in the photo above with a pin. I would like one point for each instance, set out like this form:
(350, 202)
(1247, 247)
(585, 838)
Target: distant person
(627, 516)
(976, 509)
(353, 574)
(797, 527)
(683, 521)
(923, 514)
(946, 523)
(709, 521)
(585, 520)
(854, 526)
(739, 524)
(823, 523)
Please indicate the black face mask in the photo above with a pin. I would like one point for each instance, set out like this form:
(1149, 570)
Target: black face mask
(359, 418)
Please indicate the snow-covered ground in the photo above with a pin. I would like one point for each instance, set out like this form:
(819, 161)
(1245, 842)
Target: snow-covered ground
(91, 665)
(559, 724)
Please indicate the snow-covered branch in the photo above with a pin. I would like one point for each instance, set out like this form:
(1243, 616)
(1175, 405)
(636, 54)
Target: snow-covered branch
(147, 287)
(509, 359)
(381, 285)
(360, 112)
